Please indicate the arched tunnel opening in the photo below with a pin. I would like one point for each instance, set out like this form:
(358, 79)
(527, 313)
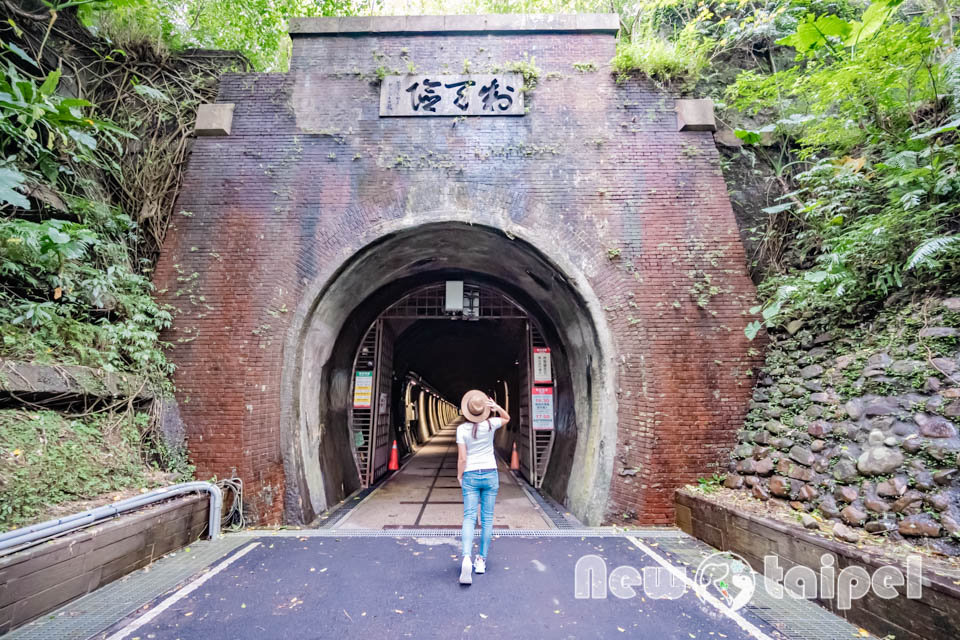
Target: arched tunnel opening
(450, 332)
(419, 318)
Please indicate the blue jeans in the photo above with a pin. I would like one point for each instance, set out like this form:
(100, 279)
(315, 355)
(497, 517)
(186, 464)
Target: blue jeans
(479, 489)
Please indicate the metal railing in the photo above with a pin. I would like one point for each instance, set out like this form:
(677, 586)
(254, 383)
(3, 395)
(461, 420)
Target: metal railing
(18, 538)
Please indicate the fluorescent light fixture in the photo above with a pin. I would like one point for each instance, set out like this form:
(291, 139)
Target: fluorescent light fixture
(454, 299)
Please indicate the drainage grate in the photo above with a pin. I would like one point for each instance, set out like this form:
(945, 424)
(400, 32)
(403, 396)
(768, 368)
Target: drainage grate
(550, 507)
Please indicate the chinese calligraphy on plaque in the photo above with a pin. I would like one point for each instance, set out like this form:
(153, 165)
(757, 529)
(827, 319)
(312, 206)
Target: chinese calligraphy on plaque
(440, 95)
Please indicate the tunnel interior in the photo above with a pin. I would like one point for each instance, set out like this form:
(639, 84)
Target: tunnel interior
(455, 357)
(445, 356)
(423, 359)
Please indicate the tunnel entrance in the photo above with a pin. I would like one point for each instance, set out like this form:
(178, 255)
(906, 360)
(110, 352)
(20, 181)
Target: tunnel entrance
(383, 353)
(426, 350)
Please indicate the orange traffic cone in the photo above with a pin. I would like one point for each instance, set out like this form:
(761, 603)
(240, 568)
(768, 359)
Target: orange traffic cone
(394, 458)
(514, 459)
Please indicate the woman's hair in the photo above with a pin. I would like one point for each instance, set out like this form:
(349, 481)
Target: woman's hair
(475, 425)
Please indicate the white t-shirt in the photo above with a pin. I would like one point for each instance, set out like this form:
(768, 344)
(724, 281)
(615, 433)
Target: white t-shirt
(480, 450)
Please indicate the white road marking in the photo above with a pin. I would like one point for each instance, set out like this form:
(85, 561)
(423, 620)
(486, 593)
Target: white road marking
(185, 591)
(453, 542)
(701, 591)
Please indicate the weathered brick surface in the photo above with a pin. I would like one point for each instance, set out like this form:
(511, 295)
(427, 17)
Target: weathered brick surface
(311, 173)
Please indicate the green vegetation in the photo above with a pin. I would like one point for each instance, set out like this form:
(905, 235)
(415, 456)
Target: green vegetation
(49, 458)
(72, 290)
(527, 68)
(710, 484)
(862, 150)
(255, 28)
(92, 138)
(663, 59)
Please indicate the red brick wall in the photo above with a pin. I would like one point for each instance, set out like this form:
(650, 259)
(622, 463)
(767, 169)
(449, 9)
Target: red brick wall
(310, 169)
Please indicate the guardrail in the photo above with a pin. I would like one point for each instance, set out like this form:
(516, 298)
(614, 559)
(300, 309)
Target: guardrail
(17, 539)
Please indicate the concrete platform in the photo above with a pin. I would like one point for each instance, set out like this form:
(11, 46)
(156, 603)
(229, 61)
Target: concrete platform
(425, 493)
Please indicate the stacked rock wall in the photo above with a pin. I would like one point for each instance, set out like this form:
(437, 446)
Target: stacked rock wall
(861, 425)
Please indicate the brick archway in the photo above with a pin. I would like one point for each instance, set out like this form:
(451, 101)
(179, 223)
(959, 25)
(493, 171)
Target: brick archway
(334, 310)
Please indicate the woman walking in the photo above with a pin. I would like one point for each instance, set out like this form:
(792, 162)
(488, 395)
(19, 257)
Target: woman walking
(477, 474)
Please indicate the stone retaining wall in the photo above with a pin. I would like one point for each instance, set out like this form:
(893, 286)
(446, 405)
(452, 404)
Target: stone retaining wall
(41, 578)
(860, 425)
(935, 616)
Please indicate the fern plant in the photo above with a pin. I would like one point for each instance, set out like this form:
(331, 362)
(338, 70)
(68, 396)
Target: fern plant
(930, 253)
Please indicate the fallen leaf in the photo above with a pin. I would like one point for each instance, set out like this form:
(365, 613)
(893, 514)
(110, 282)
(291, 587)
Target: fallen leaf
(397, 611)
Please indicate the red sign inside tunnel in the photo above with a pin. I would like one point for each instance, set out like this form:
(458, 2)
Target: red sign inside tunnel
(542, 408)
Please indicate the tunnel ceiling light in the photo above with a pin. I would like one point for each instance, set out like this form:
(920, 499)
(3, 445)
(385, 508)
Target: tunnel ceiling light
(454, 297)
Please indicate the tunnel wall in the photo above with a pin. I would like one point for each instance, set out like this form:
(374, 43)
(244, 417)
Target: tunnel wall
(595, 175)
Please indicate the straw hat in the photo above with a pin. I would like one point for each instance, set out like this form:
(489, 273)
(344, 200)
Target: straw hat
(474, 406)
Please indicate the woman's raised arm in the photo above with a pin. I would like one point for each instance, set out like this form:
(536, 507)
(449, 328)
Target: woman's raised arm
(504, 416)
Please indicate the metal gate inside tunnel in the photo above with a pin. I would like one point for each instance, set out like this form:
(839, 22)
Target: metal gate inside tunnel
(425, 350)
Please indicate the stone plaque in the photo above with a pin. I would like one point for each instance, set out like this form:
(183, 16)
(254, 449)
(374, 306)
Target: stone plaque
(495, 94)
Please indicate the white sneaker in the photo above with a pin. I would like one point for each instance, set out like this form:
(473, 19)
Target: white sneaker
(465, 568)
(479, 565)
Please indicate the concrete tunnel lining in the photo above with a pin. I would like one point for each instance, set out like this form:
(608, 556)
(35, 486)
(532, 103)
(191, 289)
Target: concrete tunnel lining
(314, 416)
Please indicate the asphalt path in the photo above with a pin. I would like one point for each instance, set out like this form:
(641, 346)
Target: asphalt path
(406, 587)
